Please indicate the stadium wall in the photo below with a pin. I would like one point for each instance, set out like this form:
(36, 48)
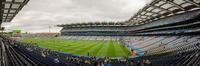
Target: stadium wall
(128, 30)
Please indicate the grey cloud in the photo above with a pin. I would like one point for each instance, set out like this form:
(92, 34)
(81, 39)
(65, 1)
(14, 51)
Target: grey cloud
(38, 15)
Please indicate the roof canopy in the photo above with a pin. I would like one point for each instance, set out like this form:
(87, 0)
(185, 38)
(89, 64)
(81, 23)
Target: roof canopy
(9, 9)
(93, 24)
(159, 9)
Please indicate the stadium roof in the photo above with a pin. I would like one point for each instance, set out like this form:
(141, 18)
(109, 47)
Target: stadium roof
(159, 9)
(9, 9)
(93, 24)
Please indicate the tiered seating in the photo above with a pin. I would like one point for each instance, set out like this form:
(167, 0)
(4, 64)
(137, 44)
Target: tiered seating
(90, 37)
(24, 54)
(168, 50)
(11, 57)
(187, 58)
(159, 51)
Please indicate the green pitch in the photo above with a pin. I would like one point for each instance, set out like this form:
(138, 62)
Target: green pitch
(100, 48)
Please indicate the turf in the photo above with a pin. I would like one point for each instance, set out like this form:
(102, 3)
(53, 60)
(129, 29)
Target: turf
(99, 48)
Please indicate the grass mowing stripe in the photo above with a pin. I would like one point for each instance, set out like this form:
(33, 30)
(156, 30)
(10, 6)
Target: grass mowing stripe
(96, 49)
(85, 49)
(90, 49)
(104, 50)
(47, 43)
(111, 51)
(99, 48)
(125, 50)
(78, 50)
(72, 48)
(120, 51)
(117, 50)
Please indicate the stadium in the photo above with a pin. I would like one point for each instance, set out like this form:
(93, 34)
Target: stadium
(162, 33)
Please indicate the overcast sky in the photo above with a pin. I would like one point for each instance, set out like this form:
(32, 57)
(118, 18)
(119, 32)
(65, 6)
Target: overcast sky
(38, 15)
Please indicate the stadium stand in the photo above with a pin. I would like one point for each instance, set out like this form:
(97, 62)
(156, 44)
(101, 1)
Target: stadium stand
(158, 51)
(163, 33)
(91, 37)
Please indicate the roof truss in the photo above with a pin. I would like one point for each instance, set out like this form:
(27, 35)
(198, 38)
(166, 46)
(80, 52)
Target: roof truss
(9, 9)
(159, 9)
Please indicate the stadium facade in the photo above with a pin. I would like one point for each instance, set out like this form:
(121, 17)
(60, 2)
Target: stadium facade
(158, 17)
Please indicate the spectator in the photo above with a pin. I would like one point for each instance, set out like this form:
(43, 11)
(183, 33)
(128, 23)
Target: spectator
(56, 60)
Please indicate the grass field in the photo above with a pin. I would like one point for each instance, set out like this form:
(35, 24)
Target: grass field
(99, 48)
